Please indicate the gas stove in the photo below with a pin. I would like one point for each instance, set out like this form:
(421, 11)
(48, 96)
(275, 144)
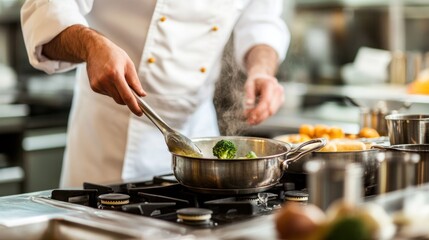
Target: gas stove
(165, 199)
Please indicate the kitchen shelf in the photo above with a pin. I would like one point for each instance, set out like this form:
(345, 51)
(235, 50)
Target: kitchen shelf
(293, 113)
(376, 92)
(356, 3)
(9, 11)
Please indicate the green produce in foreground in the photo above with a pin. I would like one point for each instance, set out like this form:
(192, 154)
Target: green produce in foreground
(224, 149)
(348, 227)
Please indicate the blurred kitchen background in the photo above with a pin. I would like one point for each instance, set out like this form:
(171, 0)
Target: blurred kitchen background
(347, 59)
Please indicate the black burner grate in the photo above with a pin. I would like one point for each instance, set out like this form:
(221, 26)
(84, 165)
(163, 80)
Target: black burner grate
(163, 196)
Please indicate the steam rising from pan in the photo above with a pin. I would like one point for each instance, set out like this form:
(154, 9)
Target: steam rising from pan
(229, 96)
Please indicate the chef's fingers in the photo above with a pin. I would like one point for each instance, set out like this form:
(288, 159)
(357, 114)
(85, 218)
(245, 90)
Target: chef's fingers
(277, 98)
(262, 109)
(133, 80)
(127, 95)
(110, 90)
(271, 97)
(113, 93)
(106, 87)
(250, 97)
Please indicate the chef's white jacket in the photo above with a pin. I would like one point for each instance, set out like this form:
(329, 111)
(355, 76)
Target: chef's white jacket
(176, 46)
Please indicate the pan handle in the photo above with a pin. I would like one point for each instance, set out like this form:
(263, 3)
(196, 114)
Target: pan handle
(381, 147)
(318, 144)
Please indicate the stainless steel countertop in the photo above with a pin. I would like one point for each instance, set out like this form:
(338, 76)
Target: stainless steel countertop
(26, 215)
(27, 212)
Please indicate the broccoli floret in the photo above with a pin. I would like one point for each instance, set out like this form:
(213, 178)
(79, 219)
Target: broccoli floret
(251, 154)
(224, 149)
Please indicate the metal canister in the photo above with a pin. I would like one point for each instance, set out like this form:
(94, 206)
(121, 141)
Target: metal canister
(375, 118)
(330, 181)
(397, 170)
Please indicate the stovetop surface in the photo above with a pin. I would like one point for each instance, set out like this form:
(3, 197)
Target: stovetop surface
(163, 196)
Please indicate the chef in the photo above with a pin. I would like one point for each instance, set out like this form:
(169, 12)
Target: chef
(167, 51)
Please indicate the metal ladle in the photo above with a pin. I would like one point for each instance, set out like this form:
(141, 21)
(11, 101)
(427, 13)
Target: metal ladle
(176, 142)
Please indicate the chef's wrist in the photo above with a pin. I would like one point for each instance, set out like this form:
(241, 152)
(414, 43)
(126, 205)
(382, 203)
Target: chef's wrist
(261, 59)
(74, 44)
(260, 71)
(261, 76)
(91, 42)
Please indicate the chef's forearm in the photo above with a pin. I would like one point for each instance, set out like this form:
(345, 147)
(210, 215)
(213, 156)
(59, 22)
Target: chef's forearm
(74, 44)
(261, 59)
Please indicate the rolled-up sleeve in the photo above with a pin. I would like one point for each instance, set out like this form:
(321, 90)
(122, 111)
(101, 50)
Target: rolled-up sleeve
(42, 20)
(261, 23)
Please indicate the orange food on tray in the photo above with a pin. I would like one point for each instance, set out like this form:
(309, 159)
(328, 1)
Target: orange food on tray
(367, 132)
(294, 138)
(321, 131)
(307, 132)
(336, 132)
(307, 129)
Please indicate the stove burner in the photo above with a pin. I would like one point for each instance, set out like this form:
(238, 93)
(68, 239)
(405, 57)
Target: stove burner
(195, 216)
(296, 196)
(114, 199)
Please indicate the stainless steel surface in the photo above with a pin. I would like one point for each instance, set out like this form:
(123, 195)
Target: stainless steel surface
(176, 142)
(329, 181)
(240, 175)
(32, 214)
(421, 170)
(256, 229)
(64, 228)
(35, 216)
(397, 171)
(408, 128)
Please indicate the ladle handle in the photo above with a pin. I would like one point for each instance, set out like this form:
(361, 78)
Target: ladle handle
(151, 114)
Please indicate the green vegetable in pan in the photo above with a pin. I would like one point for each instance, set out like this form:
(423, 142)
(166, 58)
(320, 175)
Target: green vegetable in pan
(251, 154)
(224, 149)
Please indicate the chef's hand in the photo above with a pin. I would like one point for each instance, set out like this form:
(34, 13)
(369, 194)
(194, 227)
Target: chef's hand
(111, 72)
(264, 96)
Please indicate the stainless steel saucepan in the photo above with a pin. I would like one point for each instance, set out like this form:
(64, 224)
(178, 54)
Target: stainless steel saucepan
(209, 174)
(408, 128)
(421, 174)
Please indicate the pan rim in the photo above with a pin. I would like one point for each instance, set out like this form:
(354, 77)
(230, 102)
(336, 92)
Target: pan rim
(274, 141)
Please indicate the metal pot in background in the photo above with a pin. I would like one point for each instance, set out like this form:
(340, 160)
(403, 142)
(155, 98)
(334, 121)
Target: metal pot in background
(373, 114)
(367, 158)
(420, 174)
(374, 118)
(408, 128)
(397, 171)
